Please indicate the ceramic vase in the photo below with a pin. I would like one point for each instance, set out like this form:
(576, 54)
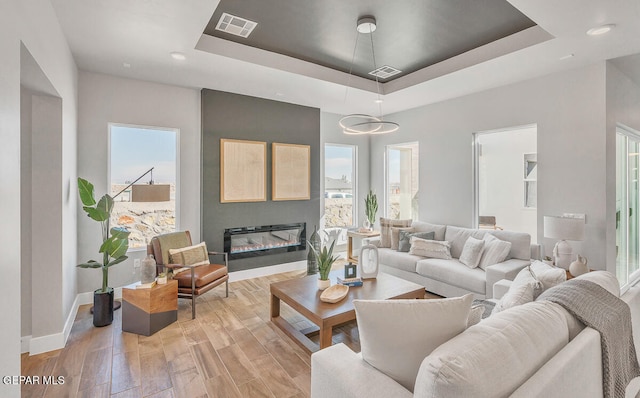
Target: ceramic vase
(148, 269)
(324, 284)
(579, 266)
(315, 242)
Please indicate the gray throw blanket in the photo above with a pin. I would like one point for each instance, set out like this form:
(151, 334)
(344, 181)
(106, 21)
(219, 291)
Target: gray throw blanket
(594, 306)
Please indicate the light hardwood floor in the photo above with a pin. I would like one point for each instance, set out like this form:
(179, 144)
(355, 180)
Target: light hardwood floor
(231, 350)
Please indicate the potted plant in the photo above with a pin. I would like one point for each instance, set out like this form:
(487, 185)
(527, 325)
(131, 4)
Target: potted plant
(371, 208)
(115, 243)
(325, 260)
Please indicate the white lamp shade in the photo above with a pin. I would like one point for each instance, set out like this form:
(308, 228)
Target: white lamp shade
(565, 228)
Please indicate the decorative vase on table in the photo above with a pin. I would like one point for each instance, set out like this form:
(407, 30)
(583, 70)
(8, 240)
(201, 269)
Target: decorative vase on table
(148, 269)
(579, 266)
(366, 225)
(324, 284)
(314, 242)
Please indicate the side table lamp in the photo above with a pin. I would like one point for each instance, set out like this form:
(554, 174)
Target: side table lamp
(563, 228)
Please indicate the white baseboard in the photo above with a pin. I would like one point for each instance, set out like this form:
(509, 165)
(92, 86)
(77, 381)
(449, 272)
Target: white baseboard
(270, 270)
(24, 344)
(55, 341)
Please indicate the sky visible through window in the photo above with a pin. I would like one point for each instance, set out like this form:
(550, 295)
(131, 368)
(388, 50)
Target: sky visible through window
(136, 150)
(394, 166)
(339, 161)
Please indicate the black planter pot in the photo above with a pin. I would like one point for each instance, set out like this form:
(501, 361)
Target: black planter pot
(102, 308)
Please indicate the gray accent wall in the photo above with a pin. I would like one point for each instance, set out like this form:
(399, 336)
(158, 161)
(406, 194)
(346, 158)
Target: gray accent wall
(226, 115)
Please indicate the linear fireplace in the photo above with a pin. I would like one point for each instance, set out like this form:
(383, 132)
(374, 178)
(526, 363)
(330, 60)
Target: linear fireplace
(247, 242)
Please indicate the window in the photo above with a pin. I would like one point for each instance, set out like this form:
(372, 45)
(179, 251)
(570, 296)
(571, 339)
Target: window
(402, 181)
(339, 185)
(506, 174)
(145, 210)
(627, 207)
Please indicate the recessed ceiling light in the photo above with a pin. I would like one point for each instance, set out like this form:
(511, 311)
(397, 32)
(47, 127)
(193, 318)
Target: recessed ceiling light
(126, 65)
(178, 55)
(567, 56)
(378, 101)
(600, 30)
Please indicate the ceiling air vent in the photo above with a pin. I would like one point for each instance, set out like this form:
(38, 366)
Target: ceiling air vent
(235, 25)
(385, 72)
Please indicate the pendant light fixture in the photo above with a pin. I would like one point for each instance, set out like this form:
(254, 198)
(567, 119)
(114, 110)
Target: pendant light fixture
(357, 124)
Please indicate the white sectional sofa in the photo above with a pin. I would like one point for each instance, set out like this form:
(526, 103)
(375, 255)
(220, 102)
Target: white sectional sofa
(533, 350)
(451, 278)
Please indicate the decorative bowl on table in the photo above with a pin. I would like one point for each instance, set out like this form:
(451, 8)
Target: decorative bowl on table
(334, 294)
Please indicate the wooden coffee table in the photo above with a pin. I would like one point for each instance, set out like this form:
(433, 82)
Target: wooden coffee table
(304, 297)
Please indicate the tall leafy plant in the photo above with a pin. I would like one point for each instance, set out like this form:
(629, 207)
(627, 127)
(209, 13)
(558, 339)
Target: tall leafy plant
(115, 241)
(325, 260)
(371, 207)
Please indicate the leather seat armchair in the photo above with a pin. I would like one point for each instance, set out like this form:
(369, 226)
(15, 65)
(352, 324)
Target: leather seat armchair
(199, 279)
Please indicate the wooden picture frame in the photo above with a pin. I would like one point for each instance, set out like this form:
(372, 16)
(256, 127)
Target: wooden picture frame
(290, 172)
(243, 171)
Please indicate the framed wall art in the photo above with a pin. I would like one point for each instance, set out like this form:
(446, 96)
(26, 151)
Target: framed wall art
(290, 172)
(243, 171)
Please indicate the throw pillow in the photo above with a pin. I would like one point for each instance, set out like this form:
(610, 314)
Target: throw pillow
(395, 235)
(404, 243)
(385, 229)
(395, 338)
(495, 251)
(191, 255)
(524, 289)
(472, 252)
(475, 314)
(430, 248)
(547, 275)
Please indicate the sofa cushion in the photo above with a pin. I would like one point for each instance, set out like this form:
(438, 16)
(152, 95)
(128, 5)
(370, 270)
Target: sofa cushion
(404, 243)
(437, 229)
(430, 248)
(530, 282)
(395, 235)
(385, 229)
(510, 346)
(458, 237)
(454, 273)
(520, 243)
(547, 275)
(399, 260)
(605, 279)
(495, 251)
(396, 335)
(524, 289)
(472, 252)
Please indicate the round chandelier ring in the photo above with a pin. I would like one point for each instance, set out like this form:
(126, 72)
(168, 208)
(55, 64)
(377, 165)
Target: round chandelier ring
(366, 124)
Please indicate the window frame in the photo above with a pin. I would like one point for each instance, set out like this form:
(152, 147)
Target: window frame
(634, 277)
(354, 183)
(176, 131)
(386, 174)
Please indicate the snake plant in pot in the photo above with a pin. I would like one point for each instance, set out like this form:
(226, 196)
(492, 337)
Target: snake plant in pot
(371, 208)
(115, 243)
(325, 260)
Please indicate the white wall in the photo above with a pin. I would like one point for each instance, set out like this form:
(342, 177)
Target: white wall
(107, 99)
(34, 23)
(501, 179)
(569, 109)
(623, 106)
